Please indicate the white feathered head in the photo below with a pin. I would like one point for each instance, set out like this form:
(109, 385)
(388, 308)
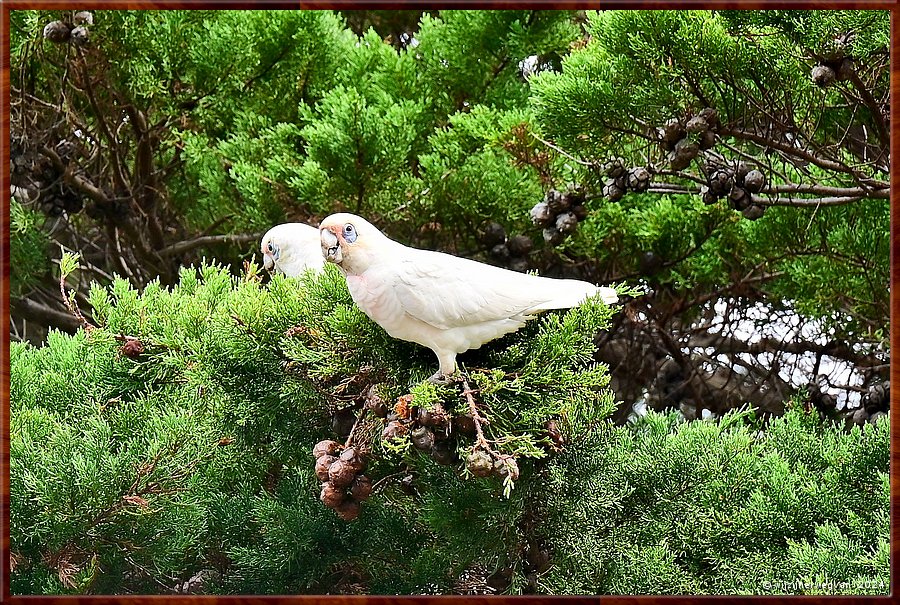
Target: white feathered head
(351, 242)
(292, 248)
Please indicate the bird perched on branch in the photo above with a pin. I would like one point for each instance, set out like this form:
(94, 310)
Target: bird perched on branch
(292, 248)
(446, 303)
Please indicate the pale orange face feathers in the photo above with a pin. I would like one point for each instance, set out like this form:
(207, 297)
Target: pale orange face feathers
(347, 240)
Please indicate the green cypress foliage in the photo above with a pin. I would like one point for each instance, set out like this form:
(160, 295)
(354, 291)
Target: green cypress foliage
(135, 469)
(169, 448)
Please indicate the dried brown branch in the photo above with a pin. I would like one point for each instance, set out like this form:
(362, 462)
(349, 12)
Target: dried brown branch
(208, 240)
(44, 315)
(870, 192)
(79, 183)
(802, 201)
(868, 100)
(144, 185)
(785, 148)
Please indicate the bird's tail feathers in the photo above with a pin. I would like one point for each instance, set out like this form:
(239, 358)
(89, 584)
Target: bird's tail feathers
(570, 293)
(608, 295)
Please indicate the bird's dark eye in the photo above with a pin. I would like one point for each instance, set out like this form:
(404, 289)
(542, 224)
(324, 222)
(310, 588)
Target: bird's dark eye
(349, 233)
(269, 247)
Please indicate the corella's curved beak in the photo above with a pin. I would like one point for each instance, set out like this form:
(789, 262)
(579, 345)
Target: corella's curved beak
(268, 261)
(331, 248)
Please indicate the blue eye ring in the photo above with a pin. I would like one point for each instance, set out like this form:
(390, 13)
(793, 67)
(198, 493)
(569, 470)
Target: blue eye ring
(349, 233)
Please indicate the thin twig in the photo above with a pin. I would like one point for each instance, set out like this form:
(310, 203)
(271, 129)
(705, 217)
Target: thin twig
(377, 485)
(72, 304)
(480, 441)
(560, 151)
(362, 414)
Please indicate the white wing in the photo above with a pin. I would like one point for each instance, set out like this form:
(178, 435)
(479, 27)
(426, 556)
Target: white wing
(449, 292)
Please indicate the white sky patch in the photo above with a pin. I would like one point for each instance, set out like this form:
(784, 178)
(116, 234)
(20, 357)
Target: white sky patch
(528, 66)
(762, 321)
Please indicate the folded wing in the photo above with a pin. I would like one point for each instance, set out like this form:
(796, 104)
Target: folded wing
(450, 292)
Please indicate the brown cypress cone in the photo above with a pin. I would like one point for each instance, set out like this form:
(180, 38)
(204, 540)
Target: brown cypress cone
(464, 424)
(352, 457)
(518, 264)
(720, 182)
(684, 153)
(754, 181)
(493, 234)
(614, 190)
(566, 222)
(638, 179)
(711, 116)
(480, 464)
(553, 236)
(500, 252)
(740, 173)
(845, 70)
(80, 35)
(541, 215)
(393, 430)
(442, 432)
(580, 211)
(876, 417)
(671, 132)
(331, 495)
(341, 474)
(615, 168)
(828, 401)
(520, 245)
(348, 510)
(879, 392)
(708, 196)
(505, 466)
(57, 32)
(821, 75)
(326, 446)
(323, 463)
(361, 488)
(753, 212)
(422, 438)
(576, 195)
(707, 139)
(133, 348)
(435, 417)
(425, 416)
(557, 201)
(739, 198)
(697, 124)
